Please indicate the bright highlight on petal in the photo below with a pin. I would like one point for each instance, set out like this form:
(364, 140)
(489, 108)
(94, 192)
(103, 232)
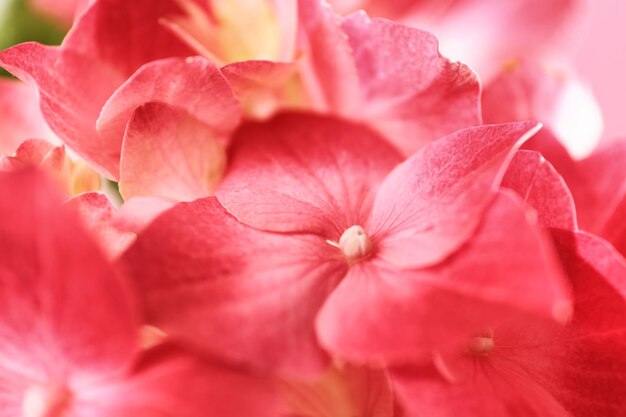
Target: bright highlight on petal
(46, 401)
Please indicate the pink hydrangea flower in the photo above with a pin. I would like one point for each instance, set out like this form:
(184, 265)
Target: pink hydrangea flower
(331, 244)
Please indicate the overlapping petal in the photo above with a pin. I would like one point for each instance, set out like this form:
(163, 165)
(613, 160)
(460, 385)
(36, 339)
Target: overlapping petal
(210, 275)
(542, 188)
(434, 200)
(305, 173)
(168, 153)
(106, 46)
(505, 271)
(537, 371)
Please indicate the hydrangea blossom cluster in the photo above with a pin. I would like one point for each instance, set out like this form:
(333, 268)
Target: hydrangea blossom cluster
(318, 215)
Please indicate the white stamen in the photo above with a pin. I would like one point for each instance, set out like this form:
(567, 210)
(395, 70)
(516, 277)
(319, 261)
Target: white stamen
(481, 345)
(355, 243)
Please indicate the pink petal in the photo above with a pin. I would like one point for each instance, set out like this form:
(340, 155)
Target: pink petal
(412, 98)
(65, 311)
(169, 382)
(138, 212)
(506, 270)
(106, 45)
(530, 90)
(220, 286)
(305, 173)
(605, 178)
(262, 86)
(168, 153)
(63, 11)
(574, 370)
(486, 33)
(327, 67)
(542, 188)
(61, 77)
(98, 214)
(20, 117)
(192, 84)
(432, 203)
(614, 229)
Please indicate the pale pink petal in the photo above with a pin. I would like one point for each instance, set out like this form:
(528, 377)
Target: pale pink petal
(410, 92)
(169, 382)
(65, 310)
(305, 173)
(227, 289)
(97, 214)
(487, 33)
(168, 153)
(506, 270)
(193, 84)
(531, 90)
(542, 188)
(20, 117)
(432, 203)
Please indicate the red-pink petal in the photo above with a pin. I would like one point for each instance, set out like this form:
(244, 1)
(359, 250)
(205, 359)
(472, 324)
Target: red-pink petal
(412, 98)
(65, 312)
(432, 203)
(169, 382)
(170, 154)
(305, 173)
(575, 370)
(192, 84)
(223, 287)
(507, 269)
(542, 188)
(98, 216)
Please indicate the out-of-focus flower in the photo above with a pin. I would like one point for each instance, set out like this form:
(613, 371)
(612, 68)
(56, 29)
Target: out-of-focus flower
(528, 90)
(70, 331)
(345, 390)
(62, 11)
(482, 33)
(74, 177)
(383, 264)
(528, 369)
(20, 117)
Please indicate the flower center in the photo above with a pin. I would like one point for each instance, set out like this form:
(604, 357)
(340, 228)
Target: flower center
(355, 243)
(46, 401)
(481, 345)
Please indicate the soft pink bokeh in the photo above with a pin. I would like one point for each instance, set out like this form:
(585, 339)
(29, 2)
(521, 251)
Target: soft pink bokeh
(601, 60)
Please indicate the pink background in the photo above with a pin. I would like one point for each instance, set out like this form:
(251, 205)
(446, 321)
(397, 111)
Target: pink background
(601, 60)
